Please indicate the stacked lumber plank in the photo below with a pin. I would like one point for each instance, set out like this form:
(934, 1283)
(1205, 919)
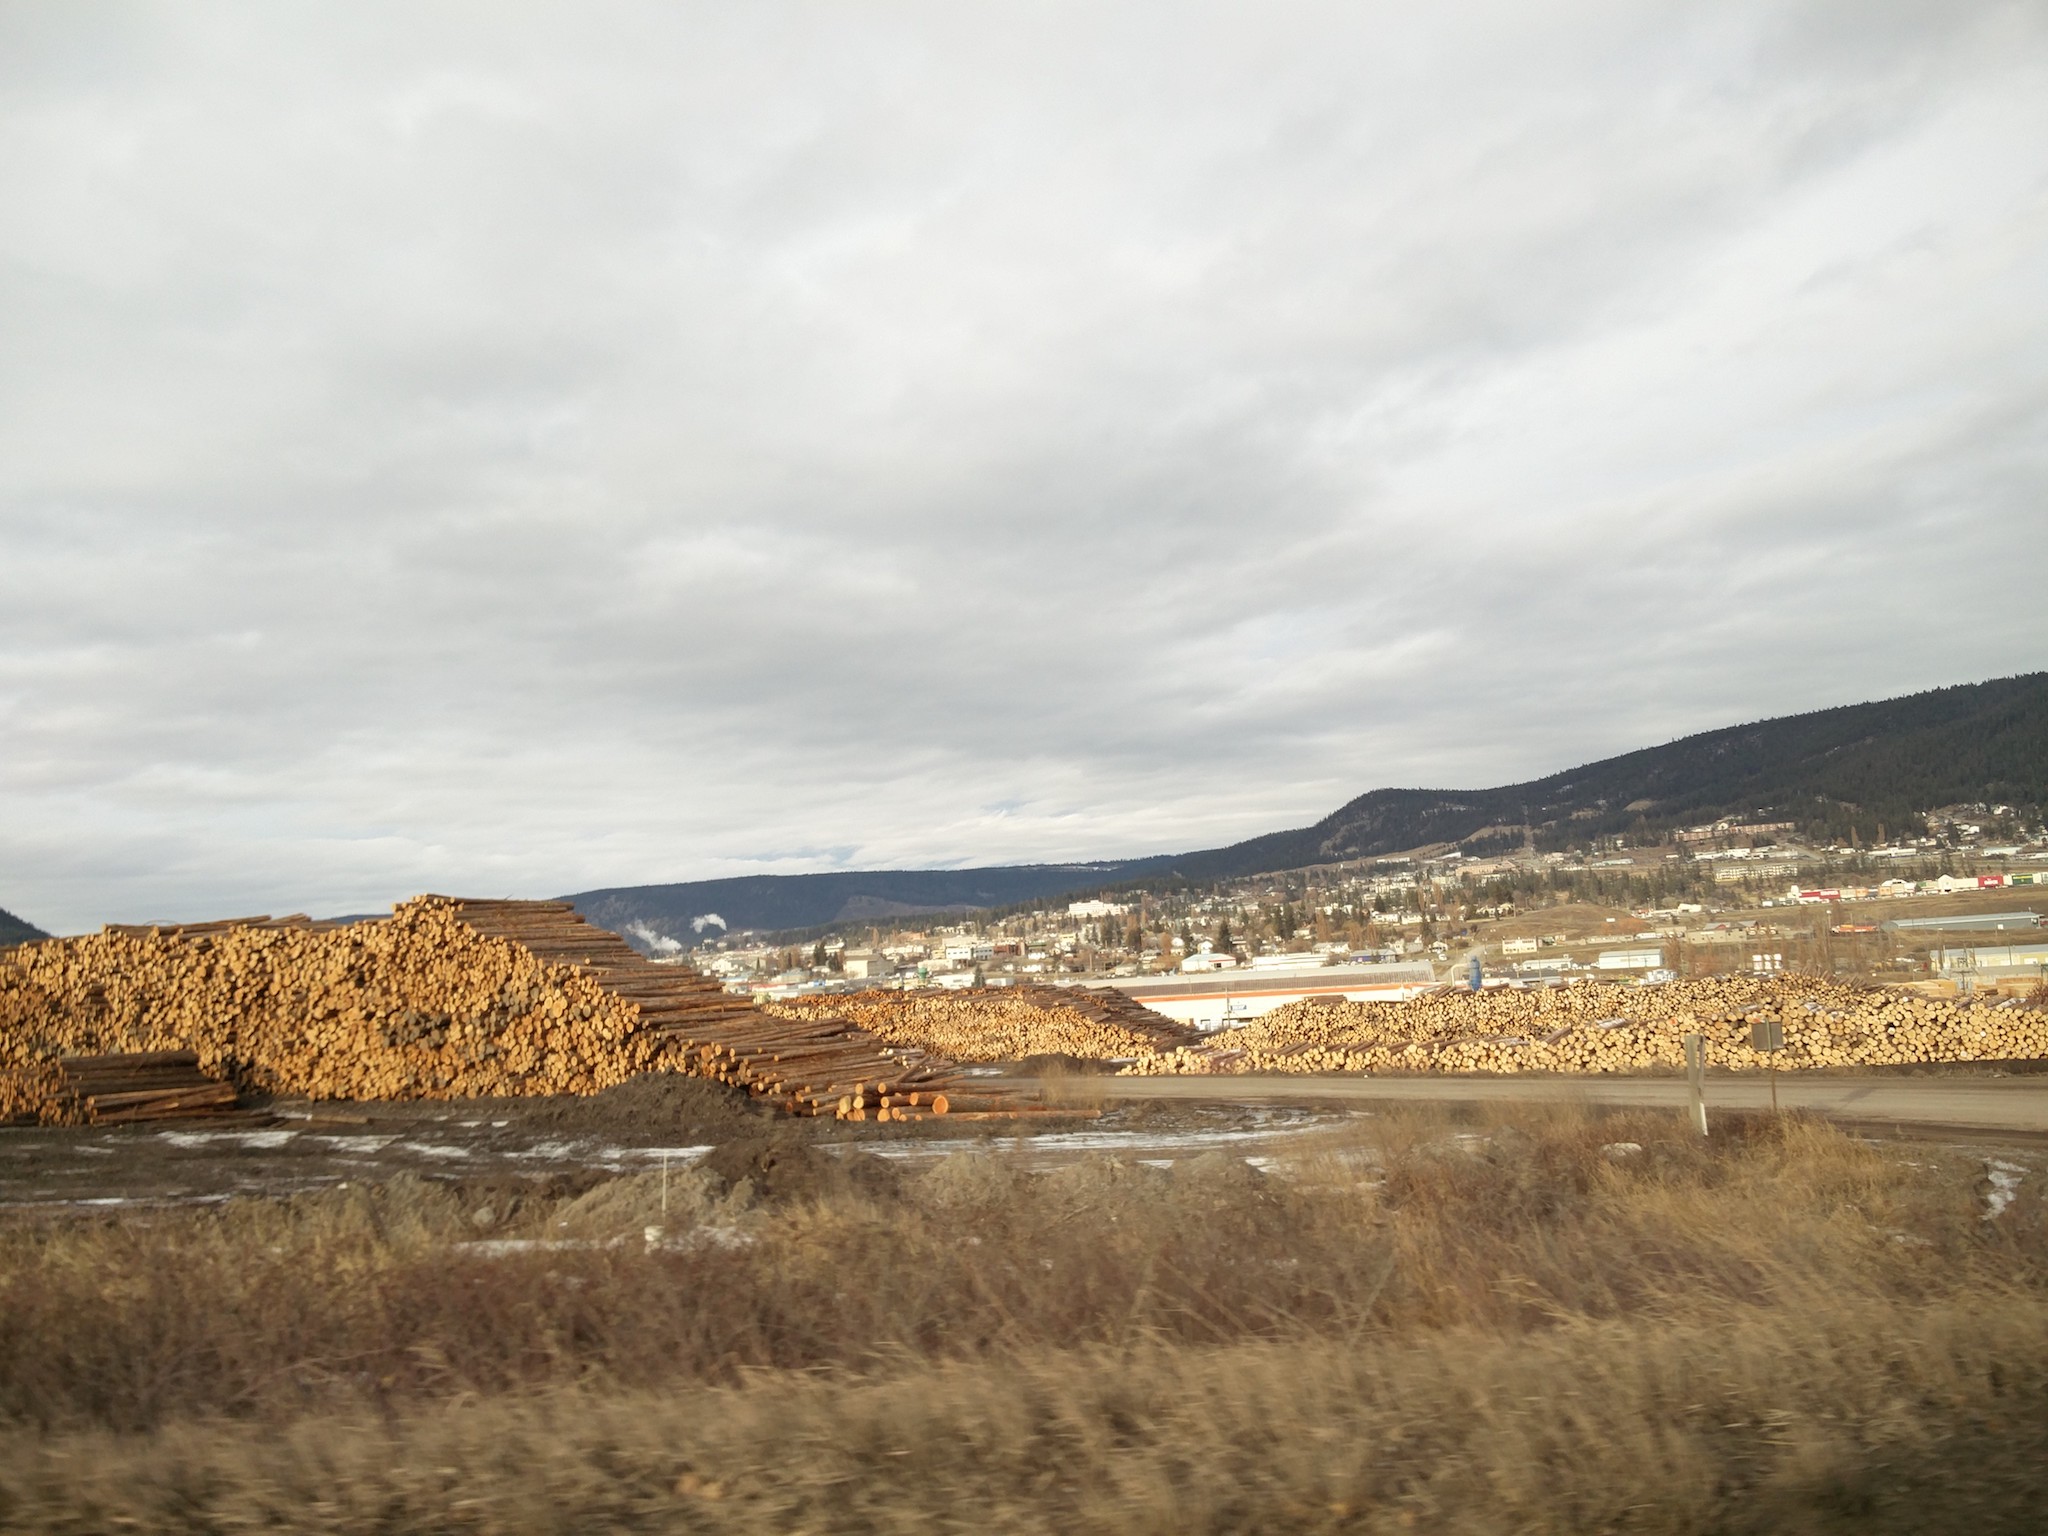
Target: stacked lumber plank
(446, 998)
(1603, 1027)
(999, 1023)
(144, 1085)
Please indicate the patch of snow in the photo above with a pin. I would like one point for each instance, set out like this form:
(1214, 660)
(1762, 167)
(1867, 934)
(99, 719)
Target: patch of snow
(2005, 1183)
(498, 1247)
(263, 1140)
(359, 1144)
(554, 1151)
(678, 1157)
(433, 1149)
(710, 1237)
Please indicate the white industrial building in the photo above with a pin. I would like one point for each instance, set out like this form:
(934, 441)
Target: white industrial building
(1212, 1000)
(1629, 960)
(1993, 959)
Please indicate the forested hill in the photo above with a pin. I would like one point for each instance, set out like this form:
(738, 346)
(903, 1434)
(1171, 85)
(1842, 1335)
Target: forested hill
(14, 931)
(1864, 767)
(768, 903)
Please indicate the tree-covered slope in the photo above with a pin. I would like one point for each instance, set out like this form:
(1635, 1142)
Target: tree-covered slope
(1863, 766)
(14, 931)
(771, 903)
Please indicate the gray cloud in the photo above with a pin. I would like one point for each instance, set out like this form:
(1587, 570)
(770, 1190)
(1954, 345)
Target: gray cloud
(509, 448)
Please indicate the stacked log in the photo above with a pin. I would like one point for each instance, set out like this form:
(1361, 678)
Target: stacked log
(1107, 1006)
(1602, 1027)
(444, 999)
(1001, 1023)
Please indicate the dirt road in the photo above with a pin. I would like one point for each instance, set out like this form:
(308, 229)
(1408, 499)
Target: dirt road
(1975, 1104)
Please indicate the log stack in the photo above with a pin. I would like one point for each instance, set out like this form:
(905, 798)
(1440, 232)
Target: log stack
(446, 998)
(1001, 1023)
(1602, 1027)
(1118, 1010)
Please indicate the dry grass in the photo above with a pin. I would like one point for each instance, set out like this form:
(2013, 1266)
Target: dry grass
(1861, 1420)
(1502, 1323)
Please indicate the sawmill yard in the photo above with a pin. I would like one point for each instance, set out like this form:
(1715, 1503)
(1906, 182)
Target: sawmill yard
(471, 1219)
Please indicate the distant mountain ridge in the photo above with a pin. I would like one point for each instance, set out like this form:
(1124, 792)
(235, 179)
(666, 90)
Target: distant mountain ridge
(14, 931)
(1860, 766)
(773, 903)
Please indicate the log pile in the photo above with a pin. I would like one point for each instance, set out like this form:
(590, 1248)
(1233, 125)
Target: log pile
(1602, 1027)
(1000, 1023)
(444, 999)
(1106, 1005)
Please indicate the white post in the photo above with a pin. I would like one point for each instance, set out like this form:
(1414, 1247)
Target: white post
(1696, 1080)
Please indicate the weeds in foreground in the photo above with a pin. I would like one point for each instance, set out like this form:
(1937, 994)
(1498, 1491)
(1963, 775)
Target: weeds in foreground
(1529, 1322)
(1404, 1225)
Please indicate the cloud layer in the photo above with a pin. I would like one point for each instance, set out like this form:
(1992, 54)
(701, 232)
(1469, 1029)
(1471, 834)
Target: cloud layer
(520, 449)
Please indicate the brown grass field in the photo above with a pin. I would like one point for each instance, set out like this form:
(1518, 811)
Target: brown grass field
(1543, 1321)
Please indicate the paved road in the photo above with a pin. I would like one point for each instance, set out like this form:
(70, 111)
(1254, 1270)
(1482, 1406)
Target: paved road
(1978, 1104)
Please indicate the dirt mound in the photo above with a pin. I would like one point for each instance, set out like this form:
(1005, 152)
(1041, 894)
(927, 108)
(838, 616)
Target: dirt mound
(1215, 1175)
(657, 1109)
(627, 1206)
(783, 1169)
(1097, 1180)
(966, 1180)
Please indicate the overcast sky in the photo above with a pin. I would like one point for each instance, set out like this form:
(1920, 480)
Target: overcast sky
(510, 449)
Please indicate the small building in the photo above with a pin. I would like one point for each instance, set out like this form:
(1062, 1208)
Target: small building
(866, 965)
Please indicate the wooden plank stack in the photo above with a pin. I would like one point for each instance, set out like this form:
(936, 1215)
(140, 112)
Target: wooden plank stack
(446, 998)
(144, 1085)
